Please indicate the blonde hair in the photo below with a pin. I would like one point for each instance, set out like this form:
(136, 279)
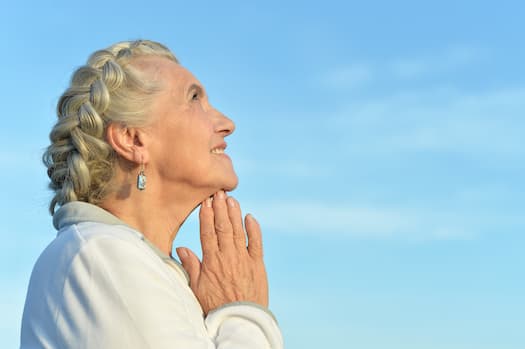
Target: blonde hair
(108, 89)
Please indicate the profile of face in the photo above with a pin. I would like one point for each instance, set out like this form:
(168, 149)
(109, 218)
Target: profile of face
(187, 142)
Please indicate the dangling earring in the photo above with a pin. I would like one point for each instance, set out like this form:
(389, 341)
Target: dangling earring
(141, 178)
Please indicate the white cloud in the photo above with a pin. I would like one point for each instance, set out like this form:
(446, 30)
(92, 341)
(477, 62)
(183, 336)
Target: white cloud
(487, 126)
(439, 120)
(295, 168)
(327, 219)
(447, 60)
(439, 63)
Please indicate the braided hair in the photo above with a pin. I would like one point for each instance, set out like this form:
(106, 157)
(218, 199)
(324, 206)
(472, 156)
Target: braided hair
(108, 89)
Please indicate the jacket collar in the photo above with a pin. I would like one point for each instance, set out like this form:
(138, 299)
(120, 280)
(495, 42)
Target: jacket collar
(77, 212)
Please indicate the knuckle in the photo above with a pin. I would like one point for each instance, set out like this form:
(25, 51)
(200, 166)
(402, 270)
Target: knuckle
(222, 228)
(240, 239)
(239, 231)
(207, 232)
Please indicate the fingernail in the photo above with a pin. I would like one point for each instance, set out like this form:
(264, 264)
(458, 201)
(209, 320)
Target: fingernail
(231, 201)
(208, 202)
(220, 194)
(254, 219)
(182, 252)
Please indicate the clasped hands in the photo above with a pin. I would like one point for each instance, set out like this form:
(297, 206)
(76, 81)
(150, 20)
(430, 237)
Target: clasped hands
(232, 267)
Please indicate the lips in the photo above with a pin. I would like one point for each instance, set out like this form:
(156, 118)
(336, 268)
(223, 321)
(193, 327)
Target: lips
(219, 149)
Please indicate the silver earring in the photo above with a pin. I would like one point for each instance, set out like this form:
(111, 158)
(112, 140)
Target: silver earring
(141, 178)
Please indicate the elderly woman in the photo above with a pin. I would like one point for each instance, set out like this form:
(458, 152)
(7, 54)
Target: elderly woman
(108, 279)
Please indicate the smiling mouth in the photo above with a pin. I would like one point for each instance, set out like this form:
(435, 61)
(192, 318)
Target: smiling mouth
(219, 148)
(217, 151)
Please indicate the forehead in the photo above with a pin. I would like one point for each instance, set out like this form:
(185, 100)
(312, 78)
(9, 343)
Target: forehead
(173, 77)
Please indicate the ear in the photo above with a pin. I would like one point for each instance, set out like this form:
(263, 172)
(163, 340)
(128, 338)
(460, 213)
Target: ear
(128, 142)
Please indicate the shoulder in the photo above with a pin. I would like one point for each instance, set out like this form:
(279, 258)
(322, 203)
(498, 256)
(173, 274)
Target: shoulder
(92, 238)
(93, 276)
(95, 261)
(88, 253)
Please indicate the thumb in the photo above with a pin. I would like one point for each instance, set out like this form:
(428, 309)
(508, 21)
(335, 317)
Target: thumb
(190, 262)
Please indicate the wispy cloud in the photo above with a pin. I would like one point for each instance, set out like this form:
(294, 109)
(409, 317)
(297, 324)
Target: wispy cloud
(435, 115)
(488, 125)
(350, 76)
(434, 64)
(484, 123)
(281, 166)
(345, 220)
(439, 120)
(327, 219)
(447, 60)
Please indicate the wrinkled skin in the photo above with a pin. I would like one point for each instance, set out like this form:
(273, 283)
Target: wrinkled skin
(232, 267)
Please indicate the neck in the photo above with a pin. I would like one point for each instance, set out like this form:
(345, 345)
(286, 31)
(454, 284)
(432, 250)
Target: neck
(154, 212)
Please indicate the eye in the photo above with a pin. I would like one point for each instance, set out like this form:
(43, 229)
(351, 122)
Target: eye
(196, 93)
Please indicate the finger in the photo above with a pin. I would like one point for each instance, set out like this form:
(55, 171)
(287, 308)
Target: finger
(190, 263)
(223, 226)
(234, 212)
(255, 248)
(207, 229)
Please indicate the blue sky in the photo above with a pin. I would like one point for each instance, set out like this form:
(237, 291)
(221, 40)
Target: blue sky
(379, 144)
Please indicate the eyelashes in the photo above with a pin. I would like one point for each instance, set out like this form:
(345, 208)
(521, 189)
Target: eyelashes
(196, 93)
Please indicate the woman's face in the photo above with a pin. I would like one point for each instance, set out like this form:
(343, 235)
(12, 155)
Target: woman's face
(187, 134)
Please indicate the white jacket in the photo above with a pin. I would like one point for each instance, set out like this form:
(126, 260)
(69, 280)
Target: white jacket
(101, 284)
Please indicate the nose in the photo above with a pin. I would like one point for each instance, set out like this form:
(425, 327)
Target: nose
(224, 125)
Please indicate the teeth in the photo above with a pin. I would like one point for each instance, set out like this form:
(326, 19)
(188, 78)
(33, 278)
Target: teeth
(217, 151)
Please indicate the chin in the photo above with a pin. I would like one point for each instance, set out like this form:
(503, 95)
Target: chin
(231, 184)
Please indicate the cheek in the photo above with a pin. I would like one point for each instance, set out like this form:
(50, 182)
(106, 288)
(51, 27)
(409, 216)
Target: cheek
(185, 145)
(190, 154)
(191, 134)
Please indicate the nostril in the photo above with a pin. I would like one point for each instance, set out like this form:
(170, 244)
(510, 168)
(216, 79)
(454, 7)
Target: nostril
(225, 125)
(230, 125)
